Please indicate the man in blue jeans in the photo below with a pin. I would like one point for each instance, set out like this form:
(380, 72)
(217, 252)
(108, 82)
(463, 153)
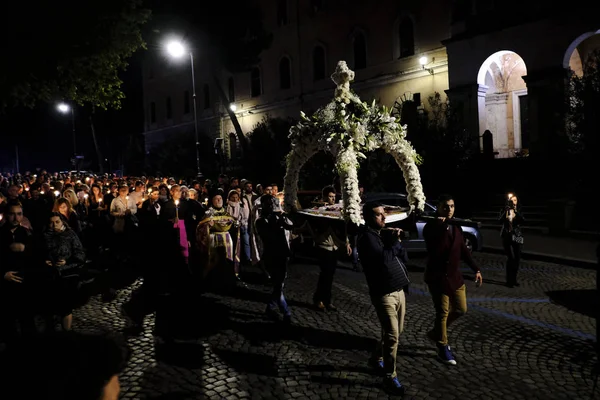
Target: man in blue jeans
(271, 227)
(382, 258)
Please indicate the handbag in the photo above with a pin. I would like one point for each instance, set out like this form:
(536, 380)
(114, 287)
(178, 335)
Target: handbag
(517, 236)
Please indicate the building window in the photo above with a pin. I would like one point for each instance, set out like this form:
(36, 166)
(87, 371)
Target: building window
(255, 83)
(319, 66)
(231, 87)
(206, 90)
(282, 13)
(285, 73)
(186, 102)
(406, 35)
(169, 109)
(360, 51)
(152, 113)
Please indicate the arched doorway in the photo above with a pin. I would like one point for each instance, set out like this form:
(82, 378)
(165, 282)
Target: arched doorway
(579, 51)
(502, 99)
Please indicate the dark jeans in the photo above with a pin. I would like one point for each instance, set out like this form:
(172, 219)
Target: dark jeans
(513, 254)
(277, 267)
(328, 264)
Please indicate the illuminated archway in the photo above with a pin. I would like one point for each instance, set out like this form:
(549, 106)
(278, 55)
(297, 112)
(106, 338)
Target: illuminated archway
(502, 101)
(577, 53)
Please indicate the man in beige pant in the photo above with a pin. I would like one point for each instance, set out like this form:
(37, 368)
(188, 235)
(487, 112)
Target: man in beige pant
(381, 254)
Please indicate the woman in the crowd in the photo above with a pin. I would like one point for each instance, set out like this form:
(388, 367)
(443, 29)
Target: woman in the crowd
(240, 211)
(63, 254)
(64, 206)
(512, 219)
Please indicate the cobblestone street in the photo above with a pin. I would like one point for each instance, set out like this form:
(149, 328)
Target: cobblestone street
(535, 341)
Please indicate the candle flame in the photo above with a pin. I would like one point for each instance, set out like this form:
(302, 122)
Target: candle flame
(176, 202)
(56, 193)
(510, 195)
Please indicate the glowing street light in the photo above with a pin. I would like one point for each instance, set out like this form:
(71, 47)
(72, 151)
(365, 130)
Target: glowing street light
(177, 49)
(233, 107)
(423, 61)
(63, 108)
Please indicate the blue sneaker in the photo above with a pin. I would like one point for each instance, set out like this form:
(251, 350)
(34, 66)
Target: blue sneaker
(393, 386)
(445, 355)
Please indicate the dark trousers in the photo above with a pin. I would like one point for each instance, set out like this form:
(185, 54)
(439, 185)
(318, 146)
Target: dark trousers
(328, 264)
(513, 259)
(277, 267)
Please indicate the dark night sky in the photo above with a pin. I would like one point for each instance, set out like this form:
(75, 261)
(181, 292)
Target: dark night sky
(44, 135)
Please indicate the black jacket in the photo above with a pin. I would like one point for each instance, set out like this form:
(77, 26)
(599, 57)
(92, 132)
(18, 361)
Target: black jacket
(383, 261)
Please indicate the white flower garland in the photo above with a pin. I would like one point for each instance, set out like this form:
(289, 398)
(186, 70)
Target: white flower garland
(348, 128)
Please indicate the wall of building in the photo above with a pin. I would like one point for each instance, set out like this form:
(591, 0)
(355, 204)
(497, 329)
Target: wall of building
(386, 76)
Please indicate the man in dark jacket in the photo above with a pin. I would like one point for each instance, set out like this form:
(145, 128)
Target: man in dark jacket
(381, 254)
(446, 248)
(16, 262)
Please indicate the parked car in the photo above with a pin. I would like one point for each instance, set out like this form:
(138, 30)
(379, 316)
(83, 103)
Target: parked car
(414, 228)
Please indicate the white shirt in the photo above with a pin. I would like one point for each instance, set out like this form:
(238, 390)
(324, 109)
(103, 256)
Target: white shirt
(119, 206)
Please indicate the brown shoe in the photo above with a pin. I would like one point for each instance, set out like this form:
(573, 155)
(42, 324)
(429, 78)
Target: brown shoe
(331, 307)
(320, 306)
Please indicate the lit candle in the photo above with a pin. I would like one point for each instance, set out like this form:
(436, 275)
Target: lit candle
(56, 193)
(177, 209)
(42, 192)
(510, 195)
(149, 190)
(27, 189)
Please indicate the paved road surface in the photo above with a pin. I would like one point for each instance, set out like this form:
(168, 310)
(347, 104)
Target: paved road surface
(535, 341)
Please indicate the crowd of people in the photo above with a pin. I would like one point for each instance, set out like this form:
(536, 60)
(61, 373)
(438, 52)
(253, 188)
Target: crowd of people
(55, 228)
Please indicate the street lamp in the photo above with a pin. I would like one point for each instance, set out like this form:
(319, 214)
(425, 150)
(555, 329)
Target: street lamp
(233, 107)
(64, 108)
(176, 49)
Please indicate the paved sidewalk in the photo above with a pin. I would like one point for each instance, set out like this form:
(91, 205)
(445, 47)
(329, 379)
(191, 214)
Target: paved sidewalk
(578, 252)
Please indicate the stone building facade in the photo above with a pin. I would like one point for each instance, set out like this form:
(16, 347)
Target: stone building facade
(504, 72)
(394, 47)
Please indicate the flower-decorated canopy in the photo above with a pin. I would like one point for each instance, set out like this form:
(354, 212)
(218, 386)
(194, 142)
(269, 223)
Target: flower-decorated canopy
(348, 128)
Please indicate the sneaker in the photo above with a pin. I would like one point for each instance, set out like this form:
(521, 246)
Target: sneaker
(320, 306)
(445, 355)
(393, 386)
(331, 307)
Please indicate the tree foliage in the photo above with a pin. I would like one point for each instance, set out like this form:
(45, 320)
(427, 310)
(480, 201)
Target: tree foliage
(269, 145)
(71, 50)
(181, 147)
(582, 119)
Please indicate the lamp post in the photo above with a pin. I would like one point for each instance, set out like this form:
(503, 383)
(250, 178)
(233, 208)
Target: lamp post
(177, 50)
(65, 108)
